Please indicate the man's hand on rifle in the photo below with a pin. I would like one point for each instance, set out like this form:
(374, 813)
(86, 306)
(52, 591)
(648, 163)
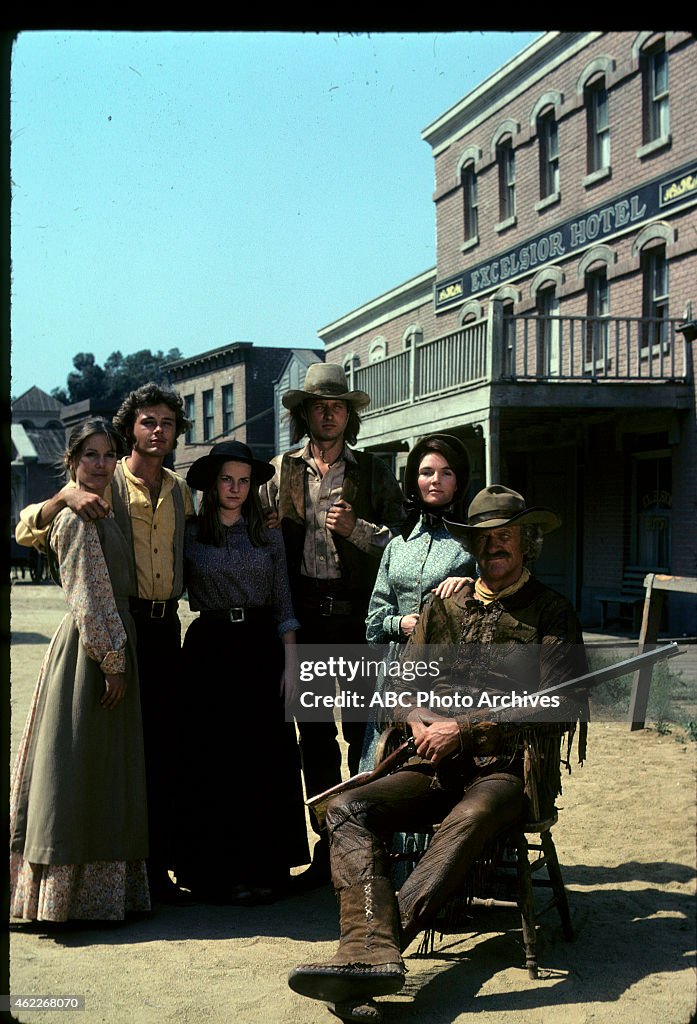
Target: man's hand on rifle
(436, 737)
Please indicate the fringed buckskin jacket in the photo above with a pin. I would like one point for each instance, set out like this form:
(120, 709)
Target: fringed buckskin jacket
(512, 647)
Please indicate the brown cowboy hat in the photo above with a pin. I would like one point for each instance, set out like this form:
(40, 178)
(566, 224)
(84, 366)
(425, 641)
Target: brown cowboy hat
(325, 380)
(202, 473)
(498, 506)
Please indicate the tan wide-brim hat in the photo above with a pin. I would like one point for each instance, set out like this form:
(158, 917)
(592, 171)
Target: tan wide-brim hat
(498, 506)
(325, 380)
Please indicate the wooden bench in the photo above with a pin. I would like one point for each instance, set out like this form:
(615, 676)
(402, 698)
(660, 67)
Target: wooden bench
(629, 597)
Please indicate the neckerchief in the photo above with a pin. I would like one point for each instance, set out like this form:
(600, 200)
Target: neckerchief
(486, 596)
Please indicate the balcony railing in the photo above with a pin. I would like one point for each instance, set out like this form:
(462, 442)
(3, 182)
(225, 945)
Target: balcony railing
(527, 348)
(428, 369)
(547, 348)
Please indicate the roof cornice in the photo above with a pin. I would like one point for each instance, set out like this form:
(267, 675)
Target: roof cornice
(497, 91)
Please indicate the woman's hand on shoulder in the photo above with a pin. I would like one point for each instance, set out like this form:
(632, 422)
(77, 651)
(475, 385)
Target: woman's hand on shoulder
(407, 624)
(115, 686)
(452, 585)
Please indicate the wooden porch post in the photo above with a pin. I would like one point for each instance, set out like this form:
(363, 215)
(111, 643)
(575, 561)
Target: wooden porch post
(492, 449)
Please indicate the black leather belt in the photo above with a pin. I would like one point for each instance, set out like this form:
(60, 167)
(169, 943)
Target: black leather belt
(324, 596)
(153, 609)
(237, 614)
(330, 605)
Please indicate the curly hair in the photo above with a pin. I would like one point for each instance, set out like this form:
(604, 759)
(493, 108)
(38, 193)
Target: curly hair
(145, 396)
(531, 540)
(82, 432)
(299, 429)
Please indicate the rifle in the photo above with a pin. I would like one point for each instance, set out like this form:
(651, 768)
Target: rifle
(407, 749)
(621, 668)
(395, 760)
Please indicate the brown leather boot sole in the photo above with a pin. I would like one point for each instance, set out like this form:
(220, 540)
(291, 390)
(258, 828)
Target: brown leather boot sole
(338, 984)
(365, 1011)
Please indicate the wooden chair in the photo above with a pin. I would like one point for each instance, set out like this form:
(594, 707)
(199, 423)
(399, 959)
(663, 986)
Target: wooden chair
(528, 850)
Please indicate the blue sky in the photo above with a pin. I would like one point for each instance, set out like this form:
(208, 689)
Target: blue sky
(189, 190)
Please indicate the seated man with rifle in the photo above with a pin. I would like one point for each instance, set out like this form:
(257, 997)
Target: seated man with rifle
(469, 772)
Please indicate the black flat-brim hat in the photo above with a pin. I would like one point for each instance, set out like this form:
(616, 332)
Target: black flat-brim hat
(203, 472)
(496, 506)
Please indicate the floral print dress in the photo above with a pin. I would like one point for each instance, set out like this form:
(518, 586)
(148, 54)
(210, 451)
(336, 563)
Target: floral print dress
(78, 806)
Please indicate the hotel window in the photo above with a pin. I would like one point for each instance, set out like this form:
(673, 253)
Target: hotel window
(509, 339)
(654, 83)
(548, 333)
(378, 350)
(654, 271)
(468, 179)
(598, 126)
(208, 429)
(549, 153)
(598, 310)
(505, 160)
(190, 413)
(228, 410)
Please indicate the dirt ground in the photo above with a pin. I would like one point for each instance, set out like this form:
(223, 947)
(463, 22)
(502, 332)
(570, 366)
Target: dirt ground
(626, 842)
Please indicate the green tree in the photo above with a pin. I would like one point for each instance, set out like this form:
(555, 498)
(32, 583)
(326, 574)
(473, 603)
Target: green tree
(119, 375)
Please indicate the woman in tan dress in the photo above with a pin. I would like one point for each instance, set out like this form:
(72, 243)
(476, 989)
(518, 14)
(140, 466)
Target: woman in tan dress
(78, 806)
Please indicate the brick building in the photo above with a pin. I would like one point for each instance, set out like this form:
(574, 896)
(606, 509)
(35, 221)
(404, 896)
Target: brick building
(548, 336)
(228, 392)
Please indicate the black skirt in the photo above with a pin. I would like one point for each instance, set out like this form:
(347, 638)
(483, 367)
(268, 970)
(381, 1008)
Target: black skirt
(242, 816)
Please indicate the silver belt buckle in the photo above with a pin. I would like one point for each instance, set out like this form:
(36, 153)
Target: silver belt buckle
(157, 609)
(326, 605)
(236, 614)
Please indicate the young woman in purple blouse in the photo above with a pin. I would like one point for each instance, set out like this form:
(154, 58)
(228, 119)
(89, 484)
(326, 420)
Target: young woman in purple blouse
(239, 837)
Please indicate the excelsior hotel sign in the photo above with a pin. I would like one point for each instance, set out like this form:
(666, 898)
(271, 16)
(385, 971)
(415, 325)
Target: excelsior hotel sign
(656, 198)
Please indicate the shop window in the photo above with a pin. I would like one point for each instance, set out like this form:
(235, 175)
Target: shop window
(652, 508)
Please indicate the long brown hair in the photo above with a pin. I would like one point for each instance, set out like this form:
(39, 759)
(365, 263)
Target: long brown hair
(300, 429)
(80, 434)
(211, 530)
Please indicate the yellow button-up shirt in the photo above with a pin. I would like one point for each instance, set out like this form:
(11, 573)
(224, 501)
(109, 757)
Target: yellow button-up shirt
(153, 531)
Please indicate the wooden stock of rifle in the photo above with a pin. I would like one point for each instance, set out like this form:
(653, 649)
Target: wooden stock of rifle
(395, 760)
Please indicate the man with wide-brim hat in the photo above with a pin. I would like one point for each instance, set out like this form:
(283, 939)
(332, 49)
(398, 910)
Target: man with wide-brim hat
(494, 534)
(500, 506)
(509, 635)
(325, 380)
(337, 507)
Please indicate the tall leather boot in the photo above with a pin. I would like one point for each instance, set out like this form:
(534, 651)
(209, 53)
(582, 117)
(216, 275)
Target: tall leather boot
(367, 962)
